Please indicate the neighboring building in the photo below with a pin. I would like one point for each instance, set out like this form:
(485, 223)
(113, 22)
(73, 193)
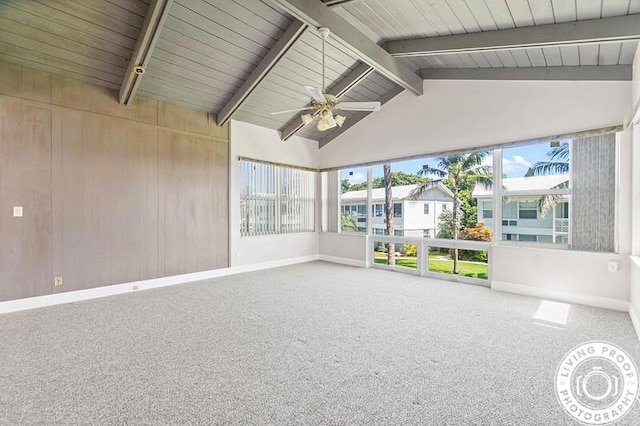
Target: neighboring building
(412, 218)
(521, 217)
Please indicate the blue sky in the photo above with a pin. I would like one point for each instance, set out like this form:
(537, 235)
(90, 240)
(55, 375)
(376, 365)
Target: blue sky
(516, 162)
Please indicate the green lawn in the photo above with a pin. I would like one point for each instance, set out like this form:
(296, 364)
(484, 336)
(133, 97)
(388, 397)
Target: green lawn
(467, 269)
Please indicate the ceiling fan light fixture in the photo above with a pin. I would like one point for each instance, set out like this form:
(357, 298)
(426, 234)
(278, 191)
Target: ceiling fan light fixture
(326, 121)
(339, 119)
(306, 118)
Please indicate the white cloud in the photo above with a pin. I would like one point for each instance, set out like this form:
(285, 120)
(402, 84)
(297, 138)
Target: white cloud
(516, 166)
(357, 177)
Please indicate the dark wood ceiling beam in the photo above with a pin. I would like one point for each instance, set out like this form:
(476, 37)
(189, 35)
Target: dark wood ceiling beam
(605, 30)
(317, 14)
(280, 48)
(153, 23)
(577, 73)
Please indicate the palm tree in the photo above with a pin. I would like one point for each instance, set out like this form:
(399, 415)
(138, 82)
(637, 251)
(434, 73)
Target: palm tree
(388, 203)
(454, 170)
(558, 164)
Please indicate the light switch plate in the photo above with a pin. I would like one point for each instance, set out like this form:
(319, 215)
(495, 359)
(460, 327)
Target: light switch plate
(17, 211)
(612, 266)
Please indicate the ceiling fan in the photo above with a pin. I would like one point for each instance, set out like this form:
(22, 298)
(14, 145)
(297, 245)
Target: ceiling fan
(323, 104)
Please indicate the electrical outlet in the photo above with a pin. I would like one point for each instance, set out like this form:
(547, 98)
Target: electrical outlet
(57, 281)
(612, 266)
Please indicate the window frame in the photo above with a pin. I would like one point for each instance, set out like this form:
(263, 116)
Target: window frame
(289, 191)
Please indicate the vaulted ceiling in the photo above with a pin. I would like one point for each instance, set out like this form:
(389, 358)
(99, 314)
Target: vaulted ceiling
(243, 59)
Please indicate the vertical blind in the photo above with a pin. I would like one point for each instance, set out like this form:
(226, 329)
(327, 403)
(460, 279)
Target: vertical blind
(276, 199)
(333, 200)
(593, 193)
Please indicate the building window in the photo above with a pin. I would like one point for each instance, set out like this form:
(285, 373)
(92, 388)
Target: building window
(444, 207)
(562, 210)
(379, 210)
(397, 209)
(527, 210)
(526, 237)
(426, 208)
(487, 210)
(509, 237)
(276, 199)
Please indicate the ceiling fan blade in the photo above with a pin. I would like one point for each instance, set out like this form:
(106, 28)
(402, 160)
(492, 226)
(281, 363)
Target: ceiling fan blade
(316, 94)
(359, 106)
(290, 110)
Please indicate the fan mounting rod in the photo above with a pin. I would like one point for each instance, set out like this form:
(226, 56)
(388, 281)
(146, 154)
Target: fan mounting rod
(324, 33)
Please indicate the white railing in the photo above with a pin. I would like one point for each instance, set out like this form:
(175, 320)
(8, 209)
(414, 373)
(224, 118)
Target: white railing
(561, 225)
(423, 246)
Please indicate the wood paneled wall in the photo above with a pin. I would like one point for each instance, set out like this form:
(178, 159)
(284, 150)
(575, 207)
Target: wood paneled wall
(111, 193)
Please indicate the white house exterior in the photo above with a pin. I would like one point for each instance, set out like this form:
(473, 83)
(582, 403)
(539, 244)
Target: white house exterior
(521, 217)
(412, 218)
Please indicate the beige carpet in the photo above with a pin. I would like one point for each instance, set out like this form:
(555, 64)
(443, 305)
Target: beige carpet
(315, 343)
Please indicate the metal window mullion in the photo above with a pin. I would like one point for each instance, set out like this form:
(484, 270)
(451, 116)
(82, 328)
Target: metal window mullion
(497, 195)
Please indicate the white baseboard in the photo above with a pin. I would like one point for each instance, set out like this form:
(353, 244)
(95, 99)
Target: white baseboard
(112, 290)
(344, 260)
(580, 299)
(635, 320)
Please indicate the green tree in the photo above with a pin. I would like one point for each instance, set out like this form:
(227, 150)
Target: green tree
(348, 224)
(445, 225)
(397, 179)
(456, 171)
(558, 163)
(346, 186)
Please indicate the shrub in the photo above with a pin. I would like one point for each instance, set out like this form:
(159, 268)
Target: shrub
(476, 233)
(411, 250)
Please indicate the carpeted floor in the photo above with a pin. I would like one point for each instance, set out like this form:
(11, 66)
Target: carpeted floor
(315, 343)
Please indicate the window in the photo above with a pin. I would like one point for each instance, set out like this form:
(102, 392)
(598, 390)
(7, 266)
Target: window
(509, 237)
(510, 222)
(562, 210)
(397, 209)
(526, 237)
(379, 210)
(444, 207)
(487, 209)
(527, 210)
(353, 190)
(426, 208)
(276, 199)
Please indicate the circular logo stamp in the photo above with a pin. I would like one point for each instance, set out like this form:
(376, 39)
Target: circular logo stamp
(597, 383)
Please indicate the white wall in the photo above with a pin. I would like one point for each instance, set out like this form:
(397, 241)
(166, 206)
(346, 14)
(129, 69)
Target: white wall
(248, 140)
(572, 276)
(454, 114)
(635, 207)
(350, 249)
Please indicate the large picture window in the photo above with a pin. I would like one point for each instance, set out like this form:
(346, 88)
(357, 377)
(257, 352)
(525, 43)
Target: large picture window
(557, 192)
(276, 199)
